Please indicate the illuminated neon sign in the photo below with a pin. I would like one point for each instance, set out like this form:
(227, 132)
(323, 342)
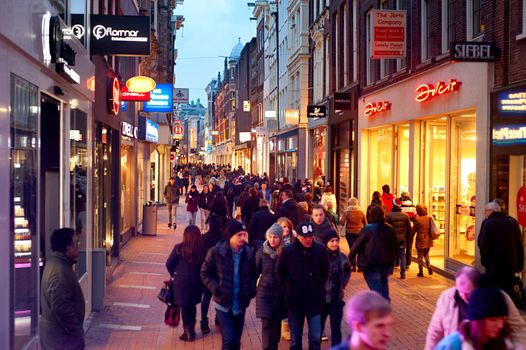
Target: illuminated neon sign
(509, 135)
(427, 91)
(372, 108)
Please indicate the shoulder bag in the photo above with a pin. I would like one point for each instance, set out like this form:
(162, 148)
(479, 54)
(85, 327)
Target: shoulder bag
(433, 229)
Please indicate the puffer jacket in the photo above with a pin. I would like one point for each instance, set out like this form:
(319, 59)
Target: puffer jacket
(270, 301)
(63, 305)
(339, 275)
(354, 220)
(422, 230)
(217, 274)
(376, 246)
(401, 223)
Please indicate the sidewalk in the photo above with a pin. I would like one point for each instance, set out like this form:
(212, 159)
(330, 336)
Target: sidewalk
(133, 317)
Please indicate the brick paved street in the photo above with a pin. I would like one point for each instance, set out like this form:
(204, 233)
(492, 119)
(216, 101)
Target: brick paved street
(133, 317)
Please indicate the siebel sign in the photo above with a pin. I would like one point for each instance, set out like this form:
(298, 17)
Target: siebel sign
(120, 35)
(473, 51)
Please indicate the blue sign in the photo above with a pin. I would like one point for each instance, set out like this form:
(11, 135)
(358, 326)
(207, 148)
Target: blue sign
(512, 103)
(209, 148)
(160, 99)
(148, 130)
(509, 135)
(124, 106)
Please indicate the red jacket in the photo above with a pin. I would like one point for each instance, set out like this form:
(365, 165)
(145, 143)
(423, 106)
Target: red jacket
(387, 199)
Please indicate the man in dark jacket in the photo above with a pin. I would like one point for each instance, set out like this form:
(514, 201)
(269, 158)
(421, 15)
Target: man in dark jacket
(402, 225)
(171, 196)
(303, 269)
(259, 224)
(377, 247)
(501, 248)
(250, 206)
(289, 208)
(320, 223)
(62, 301)
(229, 272)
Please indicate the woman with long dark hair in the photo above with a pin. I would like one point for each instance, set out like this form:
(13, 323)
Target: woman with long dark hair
(184, 265)
(220, 208)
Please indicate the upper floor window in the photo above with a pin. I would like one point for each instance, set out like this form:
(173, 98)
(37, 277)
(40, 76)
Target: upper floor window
(475, 23)
(401, 63)
(522, 34)
(448, 24)
(427, 15)
(368, 47)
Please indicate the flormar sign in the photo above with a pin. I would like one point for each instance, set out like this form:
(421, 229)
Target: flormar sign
(372, 108)
(120, 35)
(426, 92)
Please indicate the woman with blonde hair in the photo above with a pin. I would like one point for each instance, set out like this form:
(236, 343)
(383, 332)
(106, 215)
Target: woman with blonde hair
(354, 220)
(328, 196)
(288, 230)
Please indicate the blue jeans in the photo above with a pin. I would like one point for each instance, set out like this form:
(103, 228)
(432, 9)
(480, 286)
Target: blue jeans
(231, 329)
(191, 217)
(333, 310)
(296, 322)
(401, 257)
(205, 304)
(377, 279)
(351, 238)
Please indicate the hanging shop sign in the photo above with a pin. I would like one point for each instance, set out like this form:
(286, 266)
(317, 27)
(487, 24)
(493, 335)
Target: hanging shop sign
(373, 108)
(521, 206)
(90, 83)
(114, 95)
(270, 114)
(245, 136)
(426, 92)
(160, 99)
(120, 35)
(389, 34)
(77, 26)
(316, 111)
(124, 106)
(473, 51)
(342, 101)
(512, 103)
(178, 131)
(129, 130)
(246, 106)
(148, 130)
(128, 95)
(509, 135)
(214, 133)
(140, 84)
(181, 95)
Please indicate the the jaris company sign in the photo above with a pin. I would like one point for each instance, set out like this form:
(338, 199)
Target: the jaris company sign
(160, 99)
(509, 135)
(120, 35)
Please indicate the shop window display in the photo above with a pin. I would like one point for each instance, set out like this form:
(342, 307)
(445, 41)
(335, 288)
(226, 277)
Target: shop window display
(402, 159)
(381, 156)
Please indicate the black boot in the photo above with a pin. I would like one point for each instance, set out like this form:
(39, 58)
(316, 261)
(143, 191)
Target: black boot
(205, 329)
(188, 335)
(420, 272)
(429, 270)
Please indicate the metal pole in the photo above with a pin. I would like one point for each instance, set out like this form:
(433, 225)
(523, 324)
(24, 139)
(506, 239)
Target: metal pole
(277, 61)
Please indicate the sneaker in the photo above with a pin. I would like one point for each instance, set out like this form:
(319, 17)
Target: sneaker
(174, 226)
(169, 225)
(324, 338)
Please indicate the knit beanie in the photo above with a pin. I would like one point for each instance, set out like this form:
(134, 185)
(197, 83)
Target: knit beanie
(486, 302)
(330, 235)
(234, 227)
(275, 230)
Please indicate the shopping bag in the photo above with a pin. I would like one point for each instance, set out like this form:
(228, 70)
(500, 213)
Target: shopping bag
(166, 293)
(433, 229)
(172, 315)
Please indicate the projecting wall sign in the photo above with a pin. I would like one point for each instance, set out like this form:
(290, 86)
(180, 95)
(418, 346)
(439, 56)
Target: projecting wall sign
(509, 135)
(120, 35)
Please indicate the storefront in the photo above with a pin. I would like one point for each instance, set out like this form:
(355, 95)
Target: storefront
(150, 161)
(128, 220)
(243, 157)
(508, 151)
(45, 120)
(319, 153)
(428, 136)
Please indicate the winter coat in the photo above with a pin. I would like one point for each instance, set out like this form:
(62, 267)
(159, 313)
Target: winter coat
(339, 275)
(354, 220)
(248, 209)
(270, 302)
(423, 234)
(217, 274)
(63, 305)
(456, 341)
(376, 246)
(205, 200)
(243, 196)
(329, 197)
(409, 209)
(171, 193)
(290, 210)
(187, 286)
(321, 230)
(387, 200)
(500, 243)
(192, 201)
(259, 224)
(445, 320)
(211, 238)
(302, 273)
(401, 223)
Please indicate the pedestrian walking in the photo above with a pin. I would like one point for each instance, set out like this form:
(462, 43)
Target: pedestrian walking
(387, 198)
(320, 223)
(210, 239)
(303, 269)
(501, 248)
(229, 272)
(376, 201)
(220, 208)
(192, 204)
(289, 208)
(409, 208)
(369, 317)
(328, 196)
(288, 230)
(354, 220)
(270, 302)
(250, 206)
(339, 275)
(265, 193)
(259, 223)
(423, 239)
(451, 310)
(377, 247)
(184, 264)
(402, 225)
(185, 181)
(61, 298)
(205, 203)
(171, 196)
(486, 326)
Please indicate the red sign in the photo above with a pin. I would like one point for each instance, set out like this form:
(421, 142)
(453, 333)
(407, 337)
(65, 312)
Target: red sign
(389, 34)
(521, 206)
(128, 95)
(372, 108)
(114, 100)
(428, 91)
(178, 130)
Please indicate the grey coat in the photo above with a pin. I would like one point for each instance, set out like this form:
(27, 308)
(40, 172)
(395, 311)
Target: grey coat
(63, 305)
(171, 193)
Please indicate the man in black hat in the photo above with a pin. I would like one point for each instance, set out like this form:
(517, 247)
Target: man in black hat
(303, 269)
(229, 272)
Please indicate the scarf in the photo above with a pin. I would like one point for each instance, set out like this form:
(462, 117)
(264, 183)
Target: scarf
(273, 253)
